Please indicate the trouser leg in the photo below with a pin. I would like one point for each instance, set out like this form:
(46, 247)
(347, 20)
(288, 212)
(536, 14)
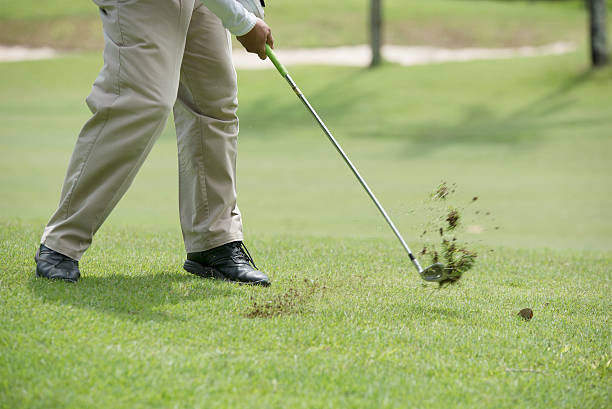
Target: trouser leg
(207, 132)
(130, 102)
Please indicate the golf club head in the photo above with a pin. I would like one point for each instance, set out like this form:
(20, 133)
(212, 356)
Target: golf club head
(434, 273)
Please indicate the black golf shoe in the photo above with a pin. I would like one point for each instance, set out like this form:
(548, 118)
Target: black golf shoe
(53, 265)
(231, 262)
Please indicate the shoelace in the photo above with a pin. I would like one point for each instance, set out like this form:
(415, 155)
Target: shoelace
(241, 251)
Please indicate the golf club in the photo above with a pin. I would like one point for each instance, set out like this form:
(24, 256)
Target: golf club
(436, 272)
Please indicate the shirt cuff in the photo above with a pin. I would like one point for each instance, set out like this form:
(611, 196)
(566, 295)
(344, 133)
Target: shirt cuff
(233, 15)
(244, 26)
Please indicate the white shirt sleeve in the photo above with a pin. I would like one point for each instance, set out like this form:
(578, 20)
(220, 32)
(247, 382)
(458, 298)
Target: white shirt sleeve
(233, 15)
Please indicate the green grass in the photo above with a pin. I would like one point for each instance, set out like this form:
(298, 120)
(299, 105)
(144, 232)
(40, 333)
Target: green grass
(74, 24)
(448, 23)
(529, 137)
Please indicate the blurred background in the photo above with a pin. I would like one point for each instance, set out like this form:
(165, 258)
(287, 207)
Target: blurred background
(531, 137)
(69, 24)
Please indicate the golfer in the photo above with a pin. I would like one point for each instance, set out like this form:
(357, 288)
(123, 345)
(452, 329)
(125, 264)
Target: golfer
(162, 55)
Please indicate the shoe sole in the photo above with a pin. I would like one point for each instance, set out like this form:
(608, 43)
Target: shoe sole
(68, 280)
(198, 269)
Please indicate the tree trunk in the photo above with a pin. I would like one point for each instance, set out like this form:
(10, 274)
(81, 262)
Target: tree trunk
(375, 31)
(599, 43)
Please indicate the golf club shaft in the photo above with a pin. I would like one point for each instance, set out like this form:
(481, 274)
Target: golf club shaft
(285, 74)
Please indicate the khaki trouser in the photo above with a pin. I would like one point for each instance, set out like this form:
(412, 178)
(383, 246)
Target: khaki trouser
(158, 55)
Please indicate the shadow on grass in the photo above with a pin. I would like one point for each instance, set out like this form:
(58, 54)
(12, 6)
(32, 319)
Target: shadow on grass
(480, 124)
(137, 297)
(519, 128)
(279, 116)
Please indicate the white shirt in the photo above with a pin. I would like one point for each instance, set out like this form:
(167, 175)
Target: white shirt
(233, 15)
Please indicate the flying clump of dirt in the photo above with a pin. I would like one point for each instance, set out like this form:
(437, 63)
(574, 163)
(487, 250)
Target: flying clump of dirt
(452, 218)
(457, 258)
(443, 190)
(292, 301)
(526, 314)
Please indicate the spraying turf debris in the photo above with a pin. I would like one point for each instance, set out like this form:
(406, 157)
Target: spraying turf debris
(457, 258)
(292, 301)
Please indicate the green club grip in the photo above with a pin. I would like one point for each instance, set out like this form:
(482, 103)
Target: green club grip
(280, 67)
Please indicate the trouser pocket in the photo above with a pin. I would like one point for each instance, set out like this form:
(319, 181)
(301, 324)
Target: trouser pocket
(111, 21)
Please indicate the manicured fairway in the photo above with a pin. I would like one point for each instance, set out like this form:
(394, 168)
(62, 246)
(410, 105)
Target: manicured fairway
(353, 324)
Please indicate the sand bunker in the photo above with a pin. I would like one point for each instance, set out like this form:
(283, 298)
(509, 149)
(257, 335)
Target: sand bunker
(357, 56)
